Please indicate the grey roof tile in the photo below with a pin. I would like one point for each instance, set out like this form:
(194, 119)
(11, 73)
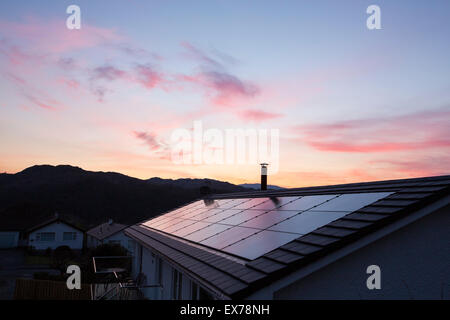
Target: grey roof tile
(349, 224)
(334, 232)
(300, 248)
(365, 216)
(374, 209)
(284, 257)
(317, 240)
(265, 265)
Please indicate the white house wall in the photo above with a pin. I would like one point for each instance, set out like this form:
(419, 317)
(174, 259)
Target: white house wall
(58, 228)
(122, 239)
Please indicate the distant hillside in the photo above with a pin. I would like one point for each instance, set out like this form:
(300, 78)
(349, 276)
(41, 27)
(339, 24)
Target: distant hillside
(89, 198)
(195, 183)
(257, 186)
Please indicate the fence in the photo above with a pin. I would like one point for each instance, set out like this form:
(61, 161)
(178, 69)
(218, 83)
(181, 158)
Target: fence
(27, 289)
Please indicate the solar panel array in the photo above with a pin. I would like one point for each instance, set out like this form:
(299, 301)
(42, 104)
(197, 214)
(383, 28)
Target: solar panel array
(251, 227)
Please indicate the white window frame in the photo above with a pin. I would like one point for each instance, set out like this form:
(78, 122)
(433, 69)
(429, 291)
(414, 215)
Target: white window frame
(39, 236)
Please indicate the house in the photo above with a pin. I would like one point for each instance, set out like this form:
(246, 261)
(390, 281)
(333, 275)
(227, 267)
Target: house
(13, 232)
(109, 232)
(9, 238)
(55, 232)
(372, 240)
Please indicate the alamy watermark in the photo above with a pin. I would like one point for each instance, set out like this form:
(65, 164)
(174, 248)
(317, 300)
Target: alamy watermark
(74, 20)
(374, 20)
(74, 280)
(225, 146)
(374, 280)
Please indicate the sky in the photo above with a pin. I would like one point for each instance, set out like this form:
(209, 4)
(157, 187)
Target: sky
(349, 104)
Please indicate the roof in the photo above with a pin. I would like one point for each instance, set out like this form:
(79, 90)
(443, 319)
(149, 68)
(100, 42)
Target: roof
(237, 278)
(54, 219)
(105, 230)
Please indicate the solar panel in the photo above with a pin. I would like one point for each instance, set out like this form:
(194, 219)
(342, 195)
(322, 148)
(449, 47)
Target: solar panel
(250, 203)
(268, 219)
(207, 232)
(205, 214)
(307, 202)
(274, 202)
(251, 227)
(186, 212)
(169, 222)
(351, 202)
(260, 243)
(191, 228)
(158, 221)
(177, 226)
(242, 217)
(228, 237)
(221, 203)
(222, 215)
(233, 203)
(194, 213)
(307, 221)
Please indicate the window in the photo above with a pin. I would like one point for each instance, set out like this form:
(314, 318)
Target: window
(177, 280)
(45, 236)
(67, 236)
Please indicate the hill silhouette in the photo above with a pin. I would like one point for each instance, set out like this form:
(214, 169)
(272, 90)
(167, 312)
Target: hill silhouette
(89, 198)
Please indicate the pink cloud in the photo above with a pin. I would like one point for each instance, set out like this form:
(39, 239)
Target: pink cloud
(258, 115)
(44, 103)
(196, 53)
(69, 83)
(53, 37)
(108, 73)
(225, 89)
(143, 75)
(148, 77)
(222, 87)
(424, 130)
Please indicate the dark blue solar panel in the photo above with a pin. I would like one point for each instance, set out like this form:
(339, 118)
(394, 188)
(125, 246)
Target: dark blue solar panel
(222, 215)
(250, 203)
(308, 221)
(351, 202)
(307, 202)
(274, 202)
(259, 244)
(177, 226)
(241, 217)
(207, 232)
(228, 237)
(268, 219)
(250, 227)
(233, 203)
(191, 228)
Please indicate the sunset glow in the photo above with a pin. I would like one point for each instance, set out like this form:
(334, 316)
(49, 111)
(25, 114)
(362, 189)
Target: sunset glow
(351, 104)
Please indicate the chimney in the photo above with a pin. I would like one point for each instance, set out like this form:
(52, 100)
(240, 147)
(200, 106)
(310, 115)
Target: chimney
(264, 176)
